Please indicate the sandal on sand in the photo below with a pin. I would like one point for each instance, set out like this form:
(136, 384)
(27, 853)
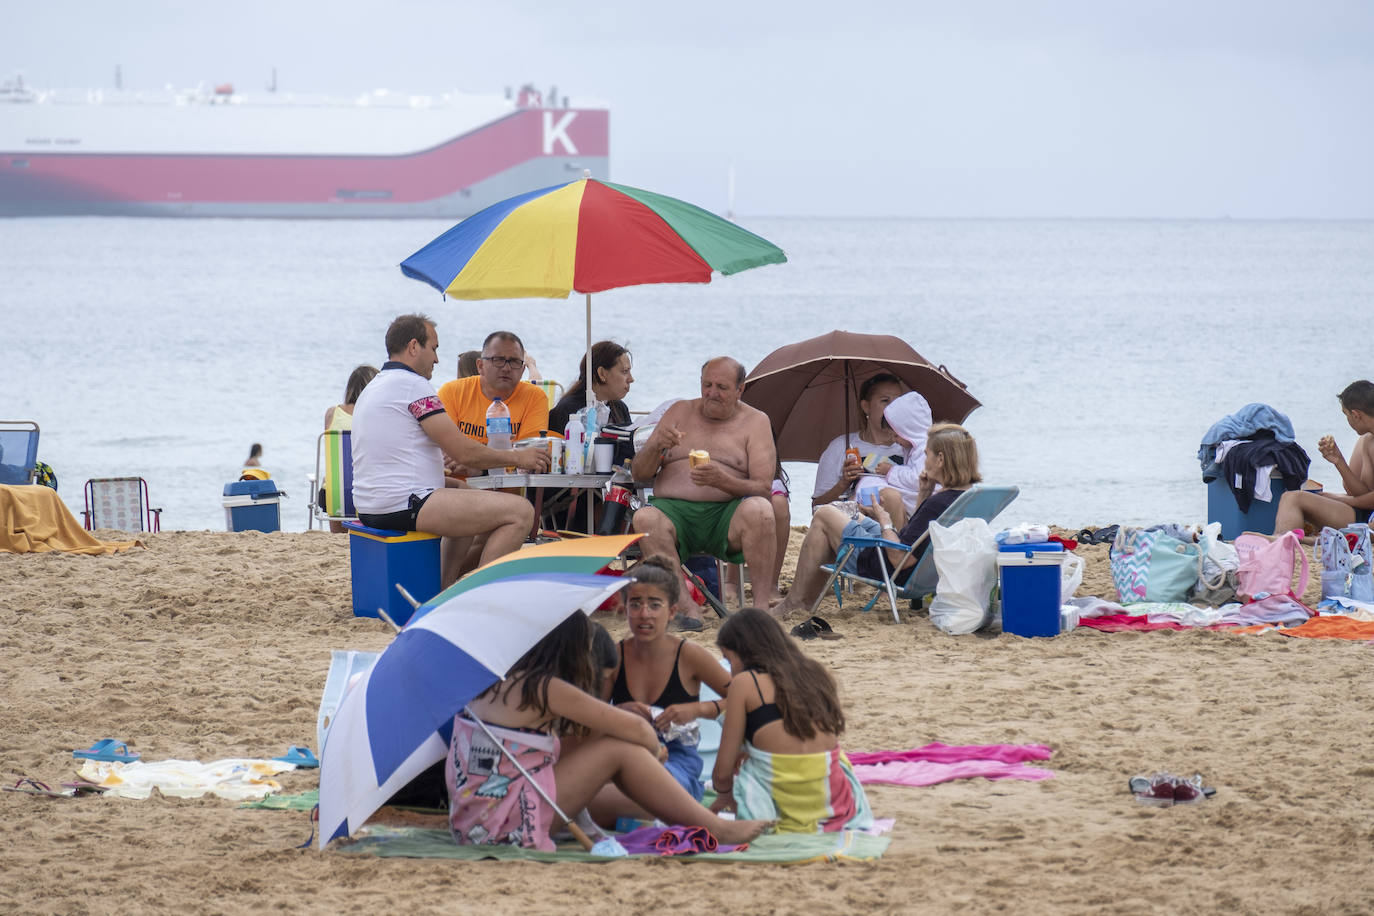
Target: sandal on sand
(814, 628)
(302, 757)
(823, 630)
(107, 749)
(34, 787)
(690, 624)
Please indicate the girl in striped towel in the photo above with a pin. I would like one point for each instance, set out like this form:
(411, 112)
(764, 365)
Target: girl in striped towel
(780, 751)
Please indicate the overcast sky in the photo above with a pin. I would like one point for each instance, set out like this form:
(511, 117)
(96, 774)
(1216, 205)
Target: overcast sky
(963, 108)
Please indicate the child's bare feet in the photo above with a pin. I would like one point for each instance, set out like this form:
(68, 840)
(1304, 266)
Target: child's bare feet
(732, 833)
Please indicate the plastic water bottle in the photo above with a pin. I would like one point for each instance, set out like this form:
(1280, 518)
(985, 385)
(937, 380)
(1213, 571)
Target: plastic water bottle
(573, 445)
(498, 426)
(589, 431)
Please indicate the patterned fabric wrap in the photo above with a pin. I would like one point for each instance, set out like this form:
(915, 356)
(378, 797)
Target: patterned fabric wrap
(1345, 560)
(1266, 567)
(806, 793)
(1153, 566)
(489, 802)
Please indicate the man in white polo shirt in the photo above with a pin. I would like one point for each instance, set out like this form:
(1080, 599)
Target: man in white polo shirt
(400, 436)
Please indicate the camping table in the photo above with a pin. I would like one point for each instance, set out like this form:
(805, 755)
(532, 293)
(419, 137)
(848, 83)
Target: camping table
(540, 483)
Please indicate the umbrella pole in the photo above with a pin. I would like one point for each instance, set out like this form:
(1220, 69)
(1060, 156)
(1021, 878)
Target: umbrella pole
(849, 378)
(591, 398)
(572, 825)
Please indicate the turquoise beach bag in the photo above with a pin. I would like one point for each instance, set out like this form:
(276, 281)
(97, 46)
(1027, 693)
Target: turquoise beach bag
(1152, 566)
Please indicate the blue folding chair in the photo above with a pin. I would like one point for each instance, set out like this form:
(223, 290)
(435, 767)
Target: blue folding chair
(18, 451)
(978, 501)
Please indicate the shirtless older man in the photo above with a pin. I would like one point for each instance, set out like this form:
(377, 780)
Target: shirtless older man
(400, 436)
(720, 506)
(1301, 508)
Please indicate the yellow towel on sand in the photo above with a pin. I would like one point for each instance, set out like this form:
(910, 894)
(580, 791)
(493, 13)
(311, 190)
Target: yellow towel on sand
(34, 519)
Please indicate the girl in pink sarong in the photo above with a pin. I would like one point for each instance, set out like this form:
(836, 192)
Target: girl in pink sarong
(544, 695)
(780, 751)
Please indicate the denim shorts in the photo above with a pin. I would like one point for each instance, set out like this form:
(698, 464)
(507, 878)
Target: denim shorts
(862, 527)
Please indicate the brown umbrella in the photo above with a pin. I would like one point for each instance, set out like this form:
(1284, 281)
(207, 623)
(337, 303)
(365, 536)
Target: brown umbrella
(810, 389)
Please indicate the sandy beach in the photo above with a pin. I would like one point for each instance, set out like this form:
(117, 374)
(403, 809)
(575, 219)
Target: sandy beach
(209, 645)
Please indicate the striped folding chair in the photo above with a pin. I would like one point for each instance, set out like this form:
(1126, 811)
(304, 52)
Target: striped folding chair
(552, 390)
(333, 501)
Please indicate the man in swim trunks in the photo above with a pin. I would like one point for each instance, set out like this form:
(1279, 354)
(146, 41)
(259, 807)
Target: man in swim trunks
(1306, 509)
(400, 436)
(720, 507)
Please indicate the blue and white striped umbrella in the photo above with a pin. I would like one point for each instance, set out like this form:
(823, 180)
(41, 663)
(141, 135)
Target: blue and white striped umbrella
(396, 720)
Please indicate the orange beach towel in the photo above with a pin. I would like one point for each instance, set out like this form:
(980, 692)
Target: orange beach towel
(34, 519)
(1333, 627)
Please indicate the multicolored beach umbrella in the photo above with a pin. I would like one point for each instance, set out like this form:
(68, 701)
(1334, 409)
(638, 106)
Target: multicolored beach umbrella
(584, 236)
(569, 555)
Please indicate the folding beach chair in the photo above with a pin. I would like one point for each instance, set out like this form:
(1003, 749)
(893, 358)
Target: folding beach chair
(978, 501)
(18, 451)
(121, 503)
(332, 500)
(553, 391)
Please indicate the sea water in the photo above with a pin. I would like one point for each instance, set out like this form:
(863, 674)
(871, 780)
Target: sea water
(1101, 350)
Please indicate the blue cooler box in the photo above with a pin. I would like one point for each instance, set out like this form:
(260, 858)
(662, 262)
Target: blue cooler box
(381, 559)
(1221, 507)
(252, 505)
(1029, 576)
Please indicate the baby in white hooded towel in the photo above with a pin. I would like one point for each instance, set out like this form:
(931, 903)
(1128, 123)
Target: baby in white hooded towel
(909, 417)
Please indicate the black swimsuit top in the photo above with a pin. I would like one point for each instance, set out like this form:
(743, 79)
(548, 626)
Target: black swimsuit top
(756, 719)
(673, 691)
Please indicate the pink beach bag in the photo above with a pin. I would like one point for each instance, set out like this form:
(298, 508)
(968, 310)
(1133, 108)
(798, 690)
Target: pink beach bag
(1266, 567)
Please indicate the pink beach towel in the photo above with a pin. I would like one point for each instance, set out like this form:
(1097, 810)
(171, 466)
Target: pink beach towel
(936, 763)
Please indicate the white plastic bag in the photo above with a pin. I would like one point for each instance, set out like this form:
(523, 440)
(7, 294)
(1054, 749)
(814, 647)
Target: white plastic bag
(1217, 583)
(1070, 576)
(966, 559)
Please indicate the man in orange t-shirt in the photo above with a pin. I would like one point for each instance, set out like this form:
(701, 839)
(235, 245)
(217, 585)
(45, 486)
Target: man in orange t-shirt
(498, 376)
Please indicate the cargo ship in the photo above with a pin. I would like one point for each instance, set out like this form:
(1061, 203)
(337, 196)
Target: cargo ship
(216, 152)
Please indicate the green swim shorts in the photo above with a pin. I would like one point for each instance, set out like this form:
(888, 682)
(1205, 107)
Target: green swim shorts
(701, 527)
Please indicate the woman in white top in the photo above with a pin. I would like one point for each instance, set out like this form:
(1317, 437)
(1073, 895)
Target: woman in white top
(835, 475)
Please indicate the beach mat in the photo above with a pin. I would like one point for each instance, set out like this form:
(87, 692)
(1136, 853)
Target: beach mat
(302, 802)
(786, 848)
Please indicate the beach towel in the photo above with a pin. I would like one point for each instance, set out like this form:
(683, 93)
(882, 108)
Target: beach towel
(1335, 626)
(936, 752)
(236, 779)
(34, 519)
(936, 763)
(1120, 623)
(788, 849)
(490, 802)
(805, 793)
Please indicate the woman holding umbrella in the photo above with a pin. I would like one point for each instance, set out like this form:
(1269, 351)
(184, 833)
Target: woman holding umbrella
(837, 469)
(951, 461)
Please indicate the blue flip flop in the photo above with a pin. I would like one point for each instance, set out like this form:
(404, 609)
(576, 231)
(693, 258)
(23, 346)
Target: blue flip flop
(107, 749)
(302, 757)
